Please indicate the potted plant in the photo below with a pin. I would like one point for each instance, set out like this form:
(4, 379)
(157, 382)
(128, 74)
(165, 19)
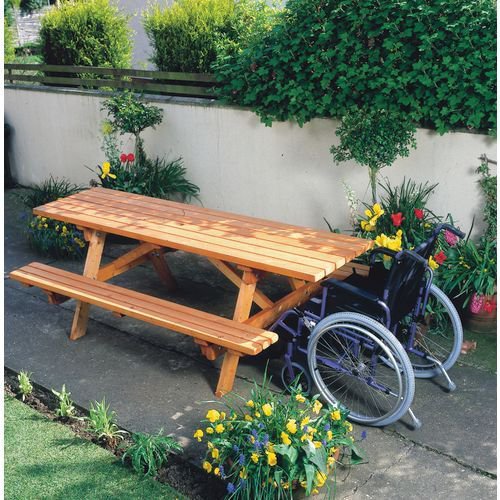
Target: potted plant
(470, 271)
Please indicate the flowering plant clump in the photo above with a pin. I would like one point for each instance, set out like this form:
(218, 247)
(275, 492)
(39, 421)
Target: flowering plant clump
(272, 443)
(402, 220)
(55, 239)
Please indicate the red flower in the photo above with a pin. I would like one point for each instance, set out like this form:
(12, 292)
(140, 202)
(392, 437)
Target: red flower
(440, 257)
(130, 157)
(123, 157)
(489, 306)
(397, 219)
(419, 213)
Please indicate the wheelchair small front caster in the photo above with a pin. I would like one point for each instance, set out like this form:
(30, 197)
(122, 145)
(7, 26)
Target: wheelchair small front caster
(293, 371)
(417, 423)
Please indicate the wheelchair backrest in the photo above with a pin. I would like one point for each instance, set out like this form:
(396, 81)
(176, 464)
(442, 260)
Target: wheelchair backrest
(404, 284)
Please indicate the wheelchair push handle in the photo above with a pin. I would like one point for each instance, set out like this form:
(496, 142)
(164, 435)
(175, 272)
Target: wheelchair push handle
(448, 227)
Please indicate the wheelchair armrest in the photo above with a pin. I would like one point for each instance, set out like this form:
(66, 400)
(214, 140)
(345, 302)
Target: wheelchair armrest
(381, 250)
(353, 290)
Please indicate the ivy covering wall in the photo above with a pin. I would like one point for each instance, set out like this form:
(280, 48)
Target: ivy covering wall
(434, 61)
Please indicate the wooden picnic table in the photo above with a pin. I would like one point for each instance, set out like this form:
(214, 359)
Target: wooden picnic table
(243, 248)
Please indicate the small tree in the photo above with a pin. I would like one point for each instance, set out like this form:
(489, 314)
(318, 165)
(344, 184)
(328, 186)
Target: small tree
(373, 138)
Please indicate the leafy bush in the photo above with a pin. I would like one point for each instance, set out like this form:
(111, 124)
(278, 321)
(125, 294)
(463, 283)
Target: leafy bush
(267, 445)
(9, 51)
(65, 408)
(433, 60)
(190, 34)
(86, 33)
(28, 6)
(148, 453)
(488, 184)
(102, 423)
(49, 190)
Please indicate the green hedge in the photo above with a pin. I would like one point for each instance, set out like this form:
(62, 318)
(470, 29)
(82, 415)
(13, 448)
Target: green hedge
(433, 60)
(87, 33)
(190, 34)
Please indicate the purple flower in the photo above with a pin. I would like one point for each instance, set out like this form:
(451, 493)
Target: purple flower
(363, 435)
(254, 433)
(236, 448)
(327, 427)
(241, 459)
(243, 484)
(260, 425)
(265, 439)
(323, 442)
(230, 488)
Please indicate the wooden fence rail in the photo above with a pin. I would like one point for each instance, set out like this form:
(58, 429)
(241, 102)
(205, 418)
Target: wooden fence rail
(157, 82)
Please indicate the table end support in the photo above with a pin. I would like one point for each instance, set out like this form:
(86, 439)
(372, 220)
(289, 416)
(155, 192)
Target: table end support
(228, 373)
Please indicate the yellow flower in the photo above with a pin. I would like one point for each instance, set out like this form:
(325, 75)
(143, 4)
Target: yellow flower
(248, 418)
(271, 458)
(391, 242)
(45, 226)
(333, 451)
(330, 461)
(207, 466)
(329, 435)
(215, 453)
(106, 127)
(219, 428)
(291, 426)
(320, 479)
(373, 215)
(213, 416)
(210, 445)
(255, 457)
(432, 263)
(348, 426)
(250, 403)
(198, 435)
(317, 407)
(209, 430)
(335, 415)
(222, 415)
(304, 421)
(243, 473)
(257, 414)
(285, 438)
(252, 439)
(317, 444)
(267, 409)
(217, 471)
(106, 171)
(300, 398)
(64, 229)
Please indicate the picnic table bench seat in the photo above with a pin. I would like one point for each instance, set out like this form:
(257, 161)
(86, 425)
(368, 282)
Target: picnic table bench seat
(208, 330)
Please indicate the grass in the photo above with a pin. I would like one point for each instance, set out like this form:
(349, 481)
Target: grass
(44, 459)
(485, 354)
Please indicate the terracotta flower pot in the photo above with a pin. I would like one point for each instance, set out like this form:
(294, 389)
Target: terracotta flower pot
(482, 314)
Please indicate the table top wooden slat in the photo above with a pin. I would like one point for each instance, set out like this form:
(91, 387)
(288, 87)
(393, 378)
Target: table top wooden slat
(292, 251)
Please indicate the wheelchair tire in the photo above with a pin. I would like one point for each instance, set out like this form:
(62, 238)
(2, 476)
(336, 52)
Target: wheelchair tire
(345, 354)
(299, 371)
(441, 339)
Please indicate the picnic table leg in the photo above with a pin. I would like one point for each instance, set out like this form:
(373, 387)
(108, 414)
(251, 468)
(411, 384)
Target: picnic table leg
(228, 373)
(161, 267)
(245, 295)
(96, 246)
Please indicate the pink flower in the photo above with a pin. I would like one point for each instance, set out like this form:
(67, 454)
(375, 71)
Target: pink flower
(123, 157)
(397, 219)
(450, 238)
(130, 157)
(440, 257)
(419, 213)
(476, 303)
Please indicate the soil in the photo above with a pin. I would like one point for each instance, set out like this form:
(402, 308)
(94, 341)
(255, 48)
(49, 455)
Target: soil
(180, 474)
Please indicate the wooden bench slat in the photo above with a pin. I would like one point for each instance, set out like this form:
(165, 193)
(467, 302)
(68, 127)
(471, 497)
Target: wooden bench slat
(310, 246)
(110, 297)
(135, 231)
(152, 304)
(236, 232)
(117, 213)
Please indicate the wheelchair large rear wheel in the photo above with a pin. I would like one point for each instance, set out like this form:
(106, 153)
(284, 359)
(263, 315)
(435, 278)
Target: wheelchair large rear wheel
(439, 335)
(347, 356)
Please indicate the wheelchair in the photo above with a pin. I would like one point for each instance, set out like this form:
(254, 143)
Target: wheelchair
(366, 338)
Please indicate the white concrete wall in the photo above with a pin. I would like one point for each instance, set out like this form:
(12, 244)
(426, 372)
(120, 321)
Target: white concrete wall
(285, 173)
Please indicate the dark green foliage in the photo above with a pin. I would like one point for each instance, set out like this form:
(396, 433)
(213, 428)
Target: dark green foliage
(86, 33)
(49, 190)
(373, 138)
(148, 453)
(433, 60)
(28, 6)
(488, 185)
(190, 34)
